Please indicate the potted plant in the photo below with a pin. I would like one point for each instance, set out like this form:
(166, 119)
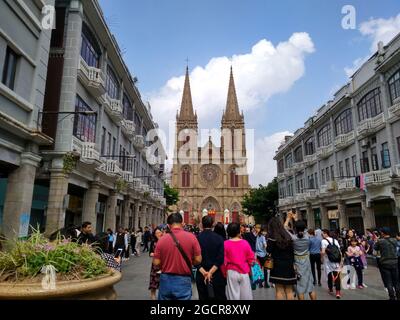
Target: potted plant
(39, 269)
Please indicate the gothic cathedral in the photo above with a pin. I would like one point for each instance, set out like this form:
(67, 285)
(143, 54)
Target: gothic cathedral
(211, 180)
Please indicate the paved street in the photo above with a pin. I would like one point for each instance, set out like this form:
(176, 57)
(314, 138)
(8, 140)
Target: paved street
(136, 271)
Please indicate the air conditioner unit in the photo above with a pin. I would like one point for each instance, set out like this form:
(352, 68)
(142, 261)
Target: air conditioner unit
(365, 143)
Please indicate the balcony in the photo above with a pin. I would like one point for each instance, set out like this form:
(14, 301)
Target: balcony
(128, 128)
(377, 178)
(344, 140)
(128, 176)
(346, 184)
(111, 167)
(289, 171)
(300, 197)
(137, 184)
(92, 78)
(163, 202)
(113, 107)
(311, 194)
(325, 152)
(145, 187)
(310, 159)
(86, 150)
(281, 175)
(394, 111)
(138, 142)
(371, 126)
(298, 166)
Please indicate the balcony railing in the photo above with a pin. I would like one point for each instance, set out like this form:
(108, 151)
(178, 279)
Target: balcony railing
(128, 176)
(346, 184)
(378, 177)
(324, 152)
(128, 128)
(311, 194)
(323, 189)
(281, 175)
(145, 187)
(110, 166)
(92, 78)
(300, 197)
(310, 159)
(87, 150)
(138, 142)
(372, 125)
(394, 110)
(297, 166)
(344, 140)
(113, 107)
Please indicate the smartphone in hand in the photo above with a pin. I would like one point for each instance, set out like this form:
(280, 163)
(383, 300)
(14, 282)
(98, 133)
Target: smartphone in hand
(118, 253)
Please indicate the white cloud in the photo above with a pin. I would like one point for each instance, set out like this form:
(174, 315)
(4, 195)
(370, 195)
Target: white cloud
(376, 30)
(265, 165)
(264, 71)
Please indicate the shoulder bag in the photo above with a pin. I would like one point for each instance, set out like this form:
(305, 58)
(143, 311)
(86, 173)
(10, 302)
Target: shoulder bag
(183, 254)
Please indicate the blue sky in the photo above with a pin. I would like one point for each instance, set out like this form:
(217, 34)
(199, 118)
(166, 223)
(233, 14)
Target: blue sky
(158, 36)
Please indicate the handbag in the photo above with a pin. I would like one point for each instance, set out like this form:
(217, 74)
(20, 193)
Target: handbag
(184, 256)
(210, 290)
(269, 263)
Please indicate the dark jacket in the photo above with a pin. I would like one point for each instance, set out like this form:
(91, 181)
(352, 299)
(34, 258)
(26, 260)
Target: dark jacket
(87, 238)
(212, 249)
(251, 238)
(388, 250)
(147, 236)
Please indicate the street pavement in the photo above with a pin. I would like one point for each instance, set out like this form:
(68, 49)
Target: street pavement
(136, 274)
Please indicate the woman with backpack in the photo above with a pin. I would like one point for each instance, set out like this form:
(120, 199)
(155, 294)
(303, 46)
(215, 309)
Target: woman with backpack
(330, 251)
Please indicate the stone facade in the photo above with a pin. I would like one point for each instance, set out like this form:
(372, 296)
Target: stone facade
(209, 179)
(342, 168)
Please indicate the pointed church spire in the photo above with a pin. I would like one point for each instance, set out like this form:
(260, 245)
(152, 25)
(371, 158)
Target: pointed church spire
(186, 112)
(232, 106)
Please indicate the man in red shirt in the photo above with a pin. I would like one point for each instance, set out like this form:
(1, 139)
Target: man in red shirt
(175, 279)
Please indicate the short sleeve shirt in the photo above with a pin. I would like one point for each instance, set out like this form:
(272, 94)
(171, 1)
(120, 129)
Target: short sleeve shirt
(171, 259)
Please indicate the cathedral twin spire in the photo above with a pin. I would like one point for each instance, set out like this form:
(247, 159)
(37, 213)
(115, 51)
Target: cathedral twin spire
(230, 114)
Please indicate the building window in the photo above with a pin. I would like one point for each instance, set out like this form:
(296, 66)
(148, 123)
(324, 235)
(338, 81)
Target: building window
(332, 173)
(90, 51)
(374, 159)
(84, 125)
(289, 160)
(364, 162)
(324, 136)
(323, 176)
(398, 145)
(234, 178)
(394, 86)
(112, 84)
(354, 164)
(309, 146)
(341, 173)
(298, 154)
(114, 149)
(344, 122)
(385, 156)
(128, 109)
(280, 166)
(185, 177)
(316, 180)
(9, 69)
(370, 105)
(347, 164)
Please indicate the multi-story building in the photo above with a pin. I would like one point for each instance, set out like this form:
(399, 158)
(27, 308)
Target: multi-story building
(342, 169)
(102, 163)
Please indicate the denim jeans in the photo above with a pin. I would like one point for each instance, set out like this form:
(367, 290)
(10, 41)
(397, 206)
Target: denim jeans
(174, 287)
(390, 276)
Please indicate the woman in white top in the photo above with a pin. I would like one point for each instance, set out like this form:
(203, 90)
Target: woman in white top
(332, 269)
(138, 244)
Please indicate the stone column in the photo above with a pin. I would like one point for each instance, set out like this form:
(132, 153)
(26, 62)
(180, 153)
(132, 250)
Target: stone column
(89, 205)
(136, 221)
(367, 214)
(55, 206)
(19, 193)
(310, 218)
(125, 215)
(324, 217)
(343, 221)
(143, 219)
(110, 212)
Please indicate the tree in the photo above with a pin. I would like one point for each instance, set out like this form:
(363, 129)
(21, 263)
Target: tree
(261, 202)
(171, 195)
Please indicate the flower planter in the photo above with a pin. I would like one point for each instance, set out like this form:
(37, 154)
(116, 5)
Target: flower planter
(100, 288)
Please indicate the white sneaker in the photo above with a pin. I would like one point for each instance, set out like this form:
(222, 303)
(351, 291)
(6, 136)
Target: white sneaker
(364, 285)
(348, 287)
(353, 286)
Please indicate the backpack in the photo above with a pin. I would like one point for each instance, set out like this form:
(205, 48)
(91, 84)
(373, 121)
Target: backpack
(333, 252)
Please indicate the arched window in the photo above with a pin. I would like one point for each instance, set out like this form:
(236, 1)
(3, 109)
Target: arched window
(289, 160)
(90, 50)
(234, 178)
(128, 109)
(281, 167)
(112, 84)
(324, 136)
(394, 86)
(344, 122)
(370, 105)
(309, 146)
(298, 154)
(185, 177)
